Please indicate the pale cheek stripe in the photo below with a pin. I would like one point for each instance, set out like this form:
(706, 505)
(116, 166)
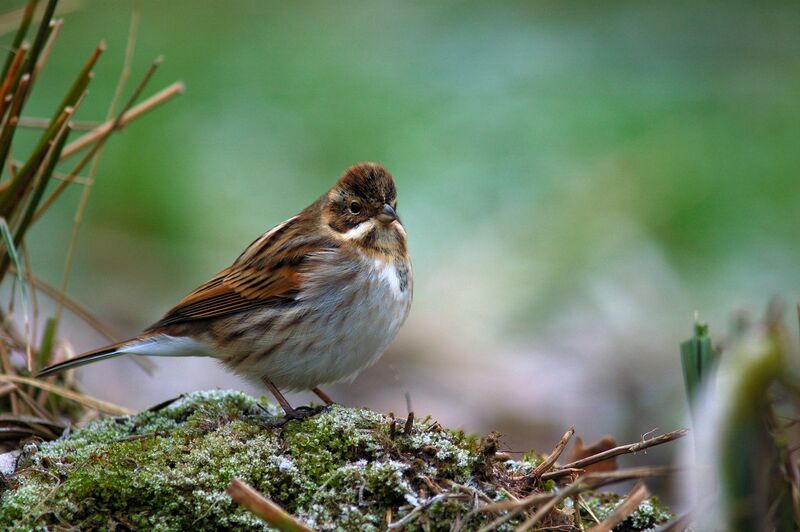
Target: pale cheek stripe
(359, 231)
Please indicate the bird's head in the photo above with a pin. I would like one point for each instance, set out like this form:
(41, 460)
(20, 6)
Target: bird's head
(362, 207)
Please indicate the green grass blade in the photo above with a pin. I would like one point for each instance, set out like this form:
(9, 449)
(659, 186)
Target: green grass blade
(27, 17)
(46, 172)
(698, 360)
(12, 196)
(10, 125)
(48, 342)
(11, 252)
(41, 37)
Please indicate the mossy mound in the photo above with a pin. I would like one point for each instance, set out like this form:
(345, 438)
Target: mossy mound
(345, 468)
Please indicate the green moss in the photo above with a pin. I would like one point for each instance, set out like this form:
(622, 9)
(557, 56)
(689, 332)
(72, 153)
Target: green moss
(167, 469)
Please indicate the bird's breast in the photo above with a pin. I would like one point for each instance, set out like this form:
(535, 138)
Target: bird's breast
(346, 315)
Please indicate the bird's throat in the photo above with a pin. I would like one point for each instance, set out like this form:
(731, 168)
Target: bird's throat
(383, 240)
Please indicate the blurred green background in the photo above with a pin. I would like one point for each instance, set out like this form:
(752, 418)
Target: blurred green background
(577, 179)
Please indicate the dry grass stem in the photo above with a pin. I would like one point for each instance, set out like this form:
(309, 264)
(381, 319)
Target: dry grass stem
(632, 501)
(7, 388)
(554, 455)
(42, 34)
(24, 17)
(73, 306)
(55, 29)
(11, 76)
(33, 405)
(23, 199)
(10, 125)
(409, 426)
(95, 152)
(96, 148)
(587, 509)
(44, 123)
(135, 112)
(247, 497)
(586, 482)
(78, 397)
(568, 469)
(10, 20)
(8, 369)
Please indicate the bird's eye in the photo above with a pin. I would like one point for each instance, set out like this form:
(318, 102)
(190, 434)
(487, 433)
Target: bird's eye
(355, 207)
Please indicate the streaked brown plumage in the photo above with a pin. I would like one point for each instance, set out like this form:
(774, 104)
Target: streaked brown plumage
(312, 301)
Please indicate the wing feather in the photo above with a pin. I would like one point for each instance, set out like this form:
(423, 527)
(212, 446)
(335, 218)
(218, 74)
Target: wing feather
(268, 273)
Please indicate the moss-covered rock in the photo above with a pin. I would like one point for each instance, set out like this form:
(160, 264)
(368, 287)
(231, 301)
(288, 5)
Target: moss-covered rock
(167, 469)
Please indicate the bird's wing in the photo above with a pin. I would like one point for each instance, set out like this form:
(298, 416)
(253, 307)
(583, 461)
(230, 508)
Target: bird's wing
(268, 273)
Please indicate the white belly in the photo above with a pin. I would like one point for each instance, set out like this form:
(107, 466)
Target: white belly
(349, 322)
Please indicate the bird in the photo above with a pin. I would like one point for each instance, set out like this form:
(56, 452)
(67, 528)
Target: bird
(312, 301)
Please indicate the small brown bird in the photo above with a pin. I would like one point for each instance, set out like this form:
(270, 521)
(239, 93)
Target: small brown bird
(313, 301)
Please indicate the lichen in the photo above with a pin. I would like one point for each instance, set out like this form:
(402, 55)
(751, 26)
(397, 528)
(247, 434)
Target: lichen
(168, 468)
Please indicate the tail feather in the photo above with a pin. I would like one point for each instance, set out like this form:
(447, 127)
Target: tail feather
(157, 345)
(110, 351)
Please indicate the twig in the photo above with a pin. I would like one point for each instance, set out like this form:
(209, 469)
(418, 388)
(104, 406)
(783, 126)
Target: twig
(80, 311)
(43, 123)
(548, 506)
(553, 456)
(22, 19)
(77, 180)
(562, 472)
(81, 398)
(632, 501)
(72, 305)
(514, 506)
(7, 388)
(93, 154)
(624, 449)
(135, 112)
(26, 261)
(576, 511)
(41, 35)
(33, 405)
(10, 20)
(14, 67)
(134, 437)
(8, 369)
(409, 424)
(274, 515)
(10, 330)
(55, 29)
(417, 509)
(588, 509)
(587, 482)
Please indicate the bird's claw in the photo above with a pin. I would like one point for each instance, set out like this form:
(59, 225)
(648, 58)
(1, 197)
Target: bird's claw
(304, 412)
(296, 414)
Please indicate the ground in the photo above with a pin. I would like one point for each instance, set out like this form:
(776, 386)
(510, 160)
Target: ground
(345, 468)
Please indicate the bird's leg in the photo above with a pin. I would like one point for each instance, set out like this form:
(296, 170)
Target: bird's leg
(278, 395)
(324, 396)
(303, 412)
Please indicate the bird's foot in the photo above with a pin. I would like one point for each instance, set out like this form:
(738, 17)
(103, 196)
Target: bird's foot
(296, 414)
(304, 412)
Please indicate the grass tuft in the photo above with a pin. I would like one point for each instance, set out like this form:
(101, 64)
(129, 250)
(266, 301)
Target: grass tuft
(29, 187)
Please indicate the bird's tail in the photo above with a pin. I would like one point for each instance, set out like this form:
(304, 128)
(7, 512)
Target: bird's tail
(146, 345)
(110, 351)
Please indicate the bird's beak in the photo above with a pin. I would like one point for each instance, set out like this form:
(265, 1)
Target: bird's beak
(387, 214)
